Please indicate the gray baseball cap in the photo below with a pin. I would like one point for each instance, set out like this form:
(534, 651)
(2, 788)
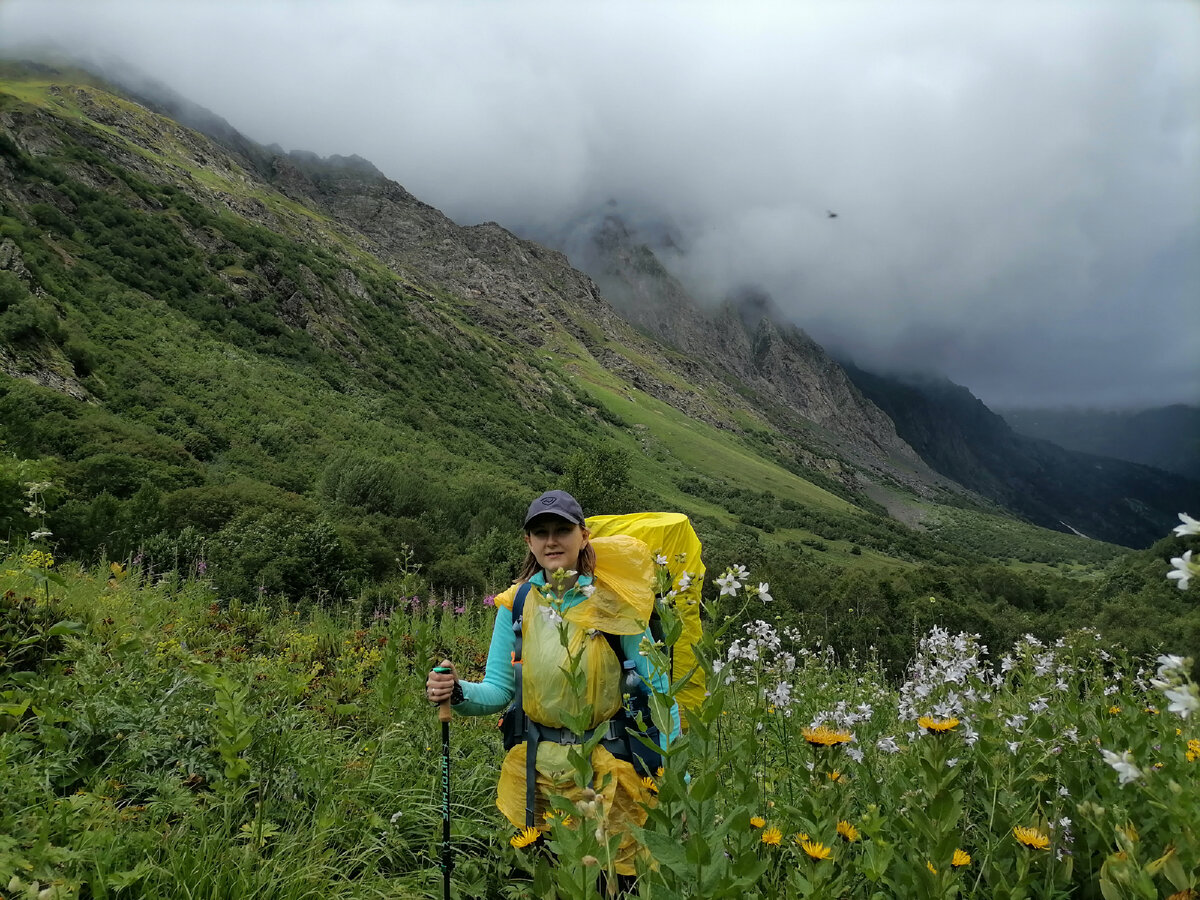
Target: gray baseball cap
(556, 503)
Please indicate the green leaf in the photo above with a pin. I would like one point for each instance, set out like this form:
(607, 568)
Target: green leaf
(60, 629)
(665, 849)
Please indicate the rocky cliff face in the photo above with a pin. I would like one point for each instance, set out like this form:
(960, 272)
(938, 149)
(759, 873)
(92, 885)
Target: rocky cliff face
(746, 342)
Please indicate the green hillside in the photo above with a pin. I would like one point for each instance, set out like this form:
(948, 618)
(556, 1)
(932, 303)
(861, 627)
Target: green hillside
(211, 373)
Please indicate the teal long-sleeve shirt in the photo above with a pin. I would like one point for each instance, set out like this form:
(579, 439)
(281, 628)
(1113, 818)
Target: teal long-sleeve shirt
(496, 691)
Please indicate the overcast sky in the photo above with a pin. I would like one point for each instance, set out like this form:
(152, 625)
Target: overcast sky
(1017, 184)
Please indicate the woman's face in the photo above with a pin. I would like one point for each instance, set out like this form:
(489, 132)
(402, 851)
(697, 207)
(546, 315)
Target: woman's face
(555, 543)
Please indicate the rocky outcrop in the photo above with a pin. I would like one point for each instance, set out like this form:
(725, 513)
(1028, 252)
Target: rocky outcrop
(745, 339)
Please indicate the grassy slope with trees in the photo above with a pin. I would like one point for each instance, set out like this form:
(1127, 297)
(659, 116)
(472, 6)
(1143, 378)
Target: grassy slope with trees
(317, 460)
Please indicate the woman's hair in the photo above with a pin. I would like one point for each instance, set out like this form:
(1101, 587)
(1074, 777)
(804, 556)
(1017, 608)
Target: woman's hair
(587, 564)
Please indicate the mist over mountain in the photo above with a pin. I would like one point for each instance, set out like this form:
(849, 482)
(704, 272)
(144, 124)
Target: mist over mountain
(1017, 217)
(1167, 437)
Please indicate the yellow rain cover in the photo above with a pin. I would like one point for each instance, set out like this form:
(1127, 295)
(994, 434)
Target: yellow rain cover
(617, 786)
(670, 535)
(546, 692)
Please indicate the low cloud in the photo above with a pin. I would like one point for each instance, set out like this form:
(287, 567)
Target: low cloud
(1017, 185)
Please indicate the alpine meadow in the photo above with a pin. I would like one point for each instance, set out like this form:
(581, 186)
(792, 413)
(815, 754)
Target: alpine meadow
(268, 425)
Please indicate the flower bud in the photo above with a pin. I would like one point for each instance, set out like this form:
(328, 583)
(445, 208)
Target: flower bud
(590, 861)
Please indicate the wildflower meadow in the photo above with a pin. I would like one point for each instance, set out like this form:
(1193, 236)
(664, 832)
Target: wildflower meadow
(156, 741)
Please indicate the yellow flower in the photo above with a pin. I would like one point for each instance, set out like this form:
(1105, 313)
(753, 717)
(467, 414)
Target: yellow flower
(848, 831)
(825, 736)
(757, 821)
(1031, 837)
(930, 867)
(772, 836)
(1152, 710)
(815, 849)
(800, 837)
(524, 837)
(660, 773)
(1129, 831)
(551, 815)
(961, 858)
(835, 775)
(648, 784)
(1193, 749)
(1113, 710)
(937, 725)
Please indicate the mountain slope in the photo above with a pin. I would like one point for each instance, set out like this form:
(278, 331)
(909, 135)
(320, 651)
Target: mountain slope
(1101, 497)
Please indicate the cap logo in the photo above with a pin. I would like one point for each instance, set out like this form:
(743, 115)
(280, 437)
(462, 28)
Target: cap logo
(549, 501)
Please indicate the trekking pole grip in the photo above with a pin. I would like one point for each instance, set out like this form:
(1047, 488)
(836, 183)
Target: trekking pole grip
(444, 714)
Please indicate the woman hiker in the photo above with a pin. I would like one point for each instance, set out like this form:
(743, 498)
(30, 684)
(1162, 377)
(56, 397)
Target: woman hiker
(603, 591)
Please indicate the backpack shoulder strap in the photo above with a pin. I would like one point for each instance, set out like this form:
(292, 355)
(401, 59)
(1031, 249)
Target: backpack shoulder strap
(614, 641)
(518, 607)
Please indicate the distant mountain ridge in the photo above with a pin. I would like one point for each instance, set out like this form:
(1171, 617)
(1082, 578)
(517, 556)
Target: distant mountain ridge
(1098, 496)
(1167, 437)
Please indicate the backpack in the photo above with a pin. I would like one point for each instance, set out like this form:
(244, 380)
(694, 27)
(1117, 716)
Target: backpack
(670, 536)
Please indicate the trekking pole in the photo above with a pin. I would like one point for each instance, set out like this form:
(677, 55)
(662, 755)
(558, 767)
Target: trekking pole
(444, 718)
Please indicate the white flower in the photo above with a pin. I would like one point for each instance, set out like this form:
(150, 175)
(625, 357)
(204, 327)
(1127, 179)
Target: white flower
(685, 581)
(740, 572)
(887, 745)
(1013, 745)
(762, 592)
(728, 584)
(396, 815)
(1183, 569)
(1063, 792)
(587, 590)
(39, 534)
(1189, 526)
(1017, 721)
(1038, 705)
(951, 763)
(781, 696)
(1183, 701)
(1122, 765)
(1169, 664)
(855, 754)
(660, 560)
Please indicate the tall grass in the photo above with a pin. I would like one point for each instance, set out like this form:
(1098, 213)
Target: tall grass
(158, 742)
